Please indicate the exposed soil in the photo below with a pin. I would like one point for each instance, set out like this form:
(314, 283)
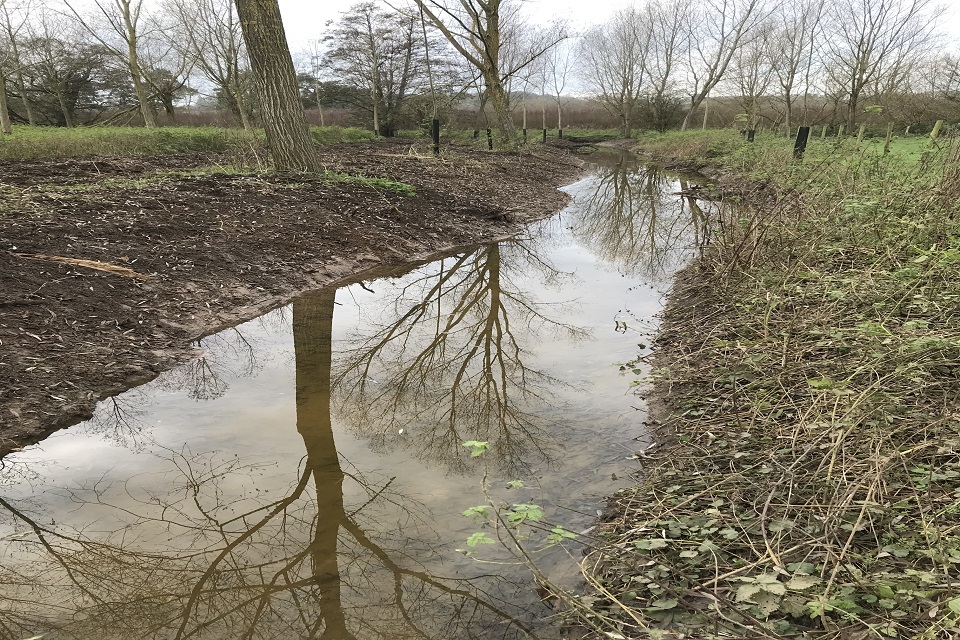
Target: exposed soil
(176, 253)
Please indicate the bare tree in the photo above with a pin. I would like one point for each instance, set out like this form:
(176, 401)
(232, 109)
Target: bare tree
(213, 38)
(719, 29)
(276, 81)
(873, 40)
(165, 63)
(669, 43)
(559, 64)
(122, 40)
(492, 37)
(611, 55)
(795, 46)
(751, 73)
(14, 23)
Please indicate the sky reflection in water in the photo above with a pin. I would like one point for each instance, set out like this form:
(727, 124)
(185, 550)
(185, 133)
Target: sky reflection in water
(305, 475)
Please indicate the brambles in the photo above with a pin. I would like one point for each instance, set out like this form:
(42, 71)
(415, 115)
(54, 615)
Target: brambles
(809, 482)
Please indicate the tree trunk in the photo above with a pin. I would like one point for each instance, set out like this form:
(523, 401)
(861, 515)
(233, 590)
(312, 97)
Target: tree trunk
(6, 127)
(133, 62)
(65, 109)
(686, 119)
(284, 122)
(242, 111)
(852, 110)
(27, 106)
(501, 108)
(312, 340)
(169, 109)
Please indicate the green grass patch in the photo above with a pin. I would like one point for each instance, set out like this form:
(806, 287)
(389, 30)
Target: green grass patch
(335, 134)
(385, 184)
(52, 142)
(57, 142)
(808, 482)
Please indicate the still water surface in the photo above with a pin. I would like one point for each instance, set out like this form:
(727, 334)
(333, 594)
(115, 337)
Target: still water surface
(305, 476)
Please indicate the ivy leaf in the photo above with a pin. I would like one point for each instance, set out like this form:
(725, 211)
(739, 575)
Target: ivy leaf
(708, 546)
(780, 525)
(885, 591)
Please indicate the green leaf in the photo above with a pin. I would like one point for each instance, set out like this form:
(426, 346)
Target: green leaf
(708, 546)
(954, 605)
(824, 382)
(515, 484)
(885, 591)
(801, 582)
(478, 513)
(558, 533)
(897, 550)
(689, 554)
(650, 544)
(477, 448)
(802, 567)
(780, 525)
(520, 513)
(746, 592)
(663, 605)
(479, 538)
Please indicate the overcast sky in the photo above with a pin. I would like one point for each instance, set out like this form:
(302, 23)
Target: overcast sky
(304, 19)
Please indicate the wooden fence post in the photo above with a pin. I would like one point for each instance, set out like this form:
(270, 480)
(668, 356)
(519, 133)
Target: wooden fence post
(803, 134)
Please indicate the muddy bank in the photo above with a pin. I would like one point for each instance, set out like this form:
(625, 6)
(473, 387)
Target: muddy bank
(111, 267)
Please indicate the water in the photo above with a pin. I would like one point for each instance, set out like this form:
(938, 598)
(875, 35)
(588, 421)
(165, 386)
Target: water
(305, 476)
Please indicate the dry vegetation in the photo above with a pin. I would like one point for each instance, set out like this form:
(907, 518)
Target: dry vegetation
(807, 479)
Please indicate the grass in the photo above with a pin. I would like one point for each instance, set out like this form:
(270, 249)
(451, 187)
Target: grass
(807, 482)
(247, 149)
(58, 142)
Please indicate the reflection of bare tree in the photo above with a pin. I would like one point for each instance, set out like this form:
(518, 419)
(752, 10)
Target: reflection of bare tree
(223, 355)
(119, 419)
(447, 363)
(628, 216)
(195, 551)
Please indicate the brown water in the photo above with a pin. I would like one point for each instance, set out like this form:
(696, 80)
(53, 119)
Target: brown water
(305, 476)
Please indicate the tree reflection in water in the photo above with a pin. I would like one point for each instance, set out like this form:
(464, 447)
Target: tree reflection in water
(448, 361)
(225, 546)
(627, 215)
(200, 550)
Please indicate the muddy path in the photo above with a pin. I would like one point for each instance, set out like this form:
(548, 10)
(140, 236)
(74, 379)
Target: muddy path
(110, 268)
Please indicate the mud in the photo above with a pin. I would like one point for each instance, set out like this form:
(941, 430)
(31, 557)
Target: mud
(112, 268)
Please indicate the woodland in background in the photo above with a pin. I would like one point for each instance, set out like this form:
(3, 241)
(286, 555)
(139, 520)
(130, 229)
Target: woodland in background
(656, 65)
